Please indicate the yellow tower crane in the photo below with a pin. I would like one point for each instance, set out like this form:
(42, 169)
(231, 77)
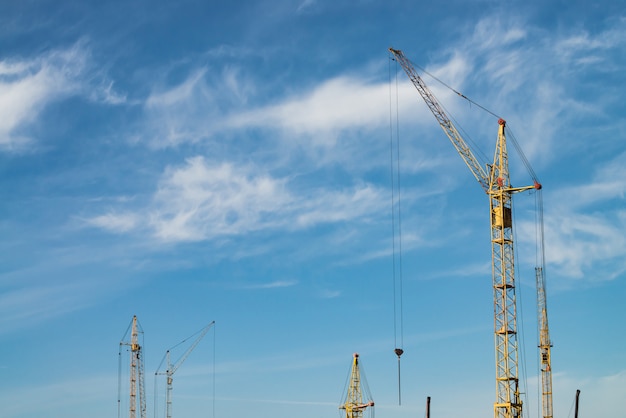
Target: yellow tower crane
(137, 386)
(496, 183)
(353, 403)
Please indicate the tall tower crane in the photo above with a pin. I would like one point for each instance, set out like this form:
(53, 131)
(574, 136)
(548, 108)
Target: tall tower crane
(137, 386)
(172, 368)
(496, 183)
(353, 403)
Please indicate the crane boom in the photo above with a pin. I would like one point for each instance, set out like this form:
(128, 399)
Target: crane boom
(496, 183)
(171, 368)
(446, 124)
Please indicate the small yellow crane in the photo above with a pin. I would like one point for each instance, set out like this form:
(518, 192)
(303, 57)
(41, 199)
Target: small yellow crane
(353, 403)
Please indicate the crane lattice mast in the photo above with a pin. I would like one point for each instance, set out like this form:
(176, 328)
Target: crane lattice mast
(172, 368)
(137, 386)
(495, 182)
(545, 345)
(354, 405)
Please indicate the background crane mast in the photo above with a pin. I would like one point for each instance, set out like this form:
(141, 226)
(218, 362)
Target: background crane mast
(495, 182)
(545, 345)
(353, 404)
(137, 386)
(171, 368)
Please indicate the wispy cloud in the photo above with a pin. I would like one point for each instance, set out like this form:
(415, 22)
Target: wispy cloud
(115, 222)
(335, 105)
(208, 105)
(28, 86)
(24, 303)
(192, 110)
(584, 227)
(277, 284)
(202, 200)
(600, 393)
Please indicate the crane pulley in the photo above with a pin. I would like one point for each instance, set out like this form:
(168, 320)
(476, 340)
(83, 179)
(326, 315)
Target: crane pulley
(495, 181)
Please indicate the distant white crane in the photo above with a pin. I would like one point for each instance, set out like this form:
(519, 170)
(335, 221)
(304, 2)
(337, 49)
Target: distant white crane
(171, 368)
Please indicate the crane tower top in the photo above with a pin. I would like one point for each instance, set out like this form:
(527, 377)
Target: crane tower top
(354, 405)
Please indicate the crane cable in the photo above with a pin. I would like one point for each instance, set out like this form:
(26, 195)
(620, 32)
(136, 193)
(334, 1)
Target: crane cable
(455, 91)
(395, 183)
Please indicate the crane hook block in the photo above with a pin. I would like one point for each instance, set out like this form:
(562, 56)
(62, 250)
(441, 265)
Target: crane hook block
(398, 352)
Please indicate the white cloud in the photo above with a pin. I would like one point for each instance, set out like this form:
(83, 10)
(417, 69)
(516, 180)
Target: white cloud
(271, 285)
(202, 201)
(576, 242)
(336, 206)
(115, 222)
(336, 104)
(584, 226)
(178, 94)
(28, 86)
(24, 305)
(199, 201)
(600, 395)
(190, 112)
(584, 48)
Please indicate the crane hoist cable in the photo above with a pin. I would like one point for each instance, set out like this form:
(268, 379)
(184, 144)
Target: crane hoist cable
(398, 317)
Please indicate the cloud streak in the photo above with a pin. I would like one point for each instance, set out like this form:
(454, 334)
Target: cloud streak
(201, 201)
(29, 86)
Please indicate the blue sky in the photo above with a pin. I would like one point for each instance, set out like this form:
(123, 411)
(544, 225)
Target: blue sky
(194, 161)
